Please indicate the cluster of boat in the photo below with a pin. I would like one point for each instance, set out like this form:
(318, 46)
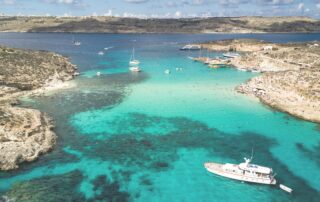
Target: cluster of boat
(212, 62)
(104, 49)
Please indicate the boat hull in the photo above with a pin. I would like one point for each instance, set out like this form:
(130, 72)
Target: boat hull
(135, 69)
(134, 62)
(217, 169)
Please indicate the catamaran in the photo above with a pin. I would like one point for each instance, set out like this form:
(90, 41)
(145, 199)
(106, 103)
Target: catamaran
(133, 61)
(243, 172)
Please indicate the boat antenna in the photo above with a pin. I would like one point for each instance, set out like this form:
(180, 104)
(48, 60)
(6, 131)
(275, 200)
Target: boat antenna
(251, 154)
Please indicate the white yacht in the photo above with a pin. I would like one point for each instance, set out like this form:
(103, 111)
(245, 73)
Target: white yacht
(191, 47)
(243, 172)
(133, 61)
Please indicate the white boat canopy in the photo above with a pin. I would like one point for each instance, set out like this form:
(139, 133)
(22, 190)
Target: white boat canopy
(255, 168)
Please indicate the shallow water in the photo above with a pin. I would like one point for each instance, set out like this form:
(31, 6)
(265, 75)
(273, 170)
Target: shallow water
(145, 137)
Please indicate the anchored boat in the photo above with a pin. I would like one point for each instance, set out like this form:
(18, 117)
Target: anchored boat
(191, 47)
(243, 172)
(231, 55)
(74, 42)
(133, 61)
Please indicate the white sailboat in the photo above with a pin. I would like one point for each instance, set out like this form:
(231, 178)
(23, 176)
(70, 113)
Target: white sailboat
(133, 61)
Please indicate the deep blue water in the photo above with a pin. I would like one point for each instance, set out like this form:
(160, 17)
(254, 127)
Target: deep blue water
(145, 137)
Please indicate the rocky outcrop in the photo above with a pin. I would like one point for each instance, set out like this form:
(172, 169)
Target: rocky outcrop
(24, 135)
(264, 56)
(294, 92)
(290, 80)
(28, 70)
(27, 133)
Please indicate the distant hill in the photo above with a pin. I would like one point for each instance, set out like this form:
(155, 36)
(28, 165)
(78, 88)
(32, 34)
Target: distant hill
(135, 25)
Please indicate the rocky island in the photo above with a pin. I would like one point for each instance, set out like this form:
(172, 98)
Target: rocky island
(27, 133)
(290, 73)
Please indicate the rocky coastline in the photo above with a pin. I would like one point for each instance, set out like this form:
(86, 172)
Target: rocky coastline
(290, 74)
(25, 133)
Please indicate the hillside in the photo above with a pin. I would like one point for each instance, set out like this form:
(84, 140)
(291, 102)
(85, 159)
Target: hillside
(135, 25)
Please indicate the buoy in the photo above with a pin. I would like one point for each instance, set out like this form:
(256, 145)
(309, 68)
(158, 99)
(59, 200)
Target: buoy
(285, 188)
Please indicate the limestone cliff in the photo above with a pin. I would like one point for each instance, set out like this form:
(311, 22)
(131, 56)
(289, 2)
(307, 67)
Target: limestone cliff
(26, 133)
(290, 80)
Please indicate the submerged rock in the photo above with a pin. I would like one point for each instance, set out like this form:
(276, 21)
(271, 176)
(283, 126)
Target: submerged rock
(51, 189)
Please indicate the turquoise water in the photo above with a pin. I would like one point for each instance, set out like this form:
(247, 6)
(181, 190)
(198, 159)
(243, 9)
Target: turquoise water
(144, 137)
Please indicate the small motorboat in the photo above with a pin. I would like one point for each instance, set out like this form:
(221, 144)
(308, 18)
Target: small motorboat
(231, 55)
(74, 42)
(135, 69)
(285, 188)
(77, 43)
(191, 47)
(98, 74)
(100, 53)
(167, 71)
(245, 172)
(107, 48)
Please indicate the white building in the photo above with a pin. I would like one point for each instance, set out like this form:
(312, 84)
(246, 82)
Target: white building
(266, 48)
